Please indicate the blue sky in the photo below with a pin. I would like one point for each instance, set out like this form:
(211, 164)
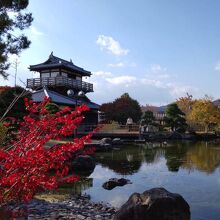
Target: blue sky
(156, 50)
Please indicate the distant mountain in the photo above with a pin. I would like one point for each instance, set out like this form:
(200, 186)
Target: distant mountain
(217, 102)
(162, 109)
(154, 109)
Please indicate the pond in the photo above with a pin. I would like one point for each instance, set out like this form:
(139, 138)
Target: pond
(190, 169)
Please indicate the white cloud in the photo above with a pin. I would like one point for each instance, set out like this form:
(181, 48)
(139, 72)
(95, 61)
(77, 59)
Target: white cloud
(35, 31)
(120, 64)
(111, 45)
(217, 66)
(177, 90)
(147, 89)
(102, 73)
(157, 68)
(158, 71)
(163, 76)
(153, 82)
(120, 80)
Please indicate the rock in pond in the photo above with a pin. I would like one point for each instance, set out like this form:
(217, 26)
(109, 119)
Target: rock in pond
(156, 136)
(175, 136)
(154, 204)
(105, 141)
(117, 141)
(83, 164)
(190, 136)
(112, 183)
(103, 147)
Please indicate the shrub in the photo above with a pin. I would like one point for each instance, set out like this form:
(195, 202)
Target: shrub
(26, 164)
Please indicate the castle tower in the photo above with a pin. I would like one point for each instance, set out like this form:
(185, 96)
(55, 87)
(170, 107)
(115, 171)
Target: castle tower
(56, 77)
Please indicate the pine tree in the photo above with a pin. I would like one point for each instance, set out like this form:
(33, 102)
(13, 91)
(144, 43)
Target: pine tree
(175, 118)
(12, 20)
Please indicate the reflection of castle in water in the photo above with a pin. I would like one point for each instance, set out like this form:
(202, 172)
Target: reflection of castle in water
(125, 161)
(201, 156)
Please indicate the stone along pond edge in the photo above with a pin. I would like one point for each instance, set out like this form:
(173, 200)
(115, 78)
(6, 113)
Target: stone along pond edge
(75, 207)
(156, 203)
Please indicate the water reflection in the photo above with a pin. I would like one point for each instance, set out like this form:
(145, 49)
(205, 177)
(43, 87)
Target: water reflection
(76, 187)
(125, 161)
(64, 191)
(175, 156)
(180, 167)
(136, 159)
(201, 156)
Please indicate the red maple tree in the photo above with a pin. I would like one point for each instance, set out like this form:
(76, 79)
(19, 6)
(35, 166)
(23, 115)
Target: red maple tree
(27, 166)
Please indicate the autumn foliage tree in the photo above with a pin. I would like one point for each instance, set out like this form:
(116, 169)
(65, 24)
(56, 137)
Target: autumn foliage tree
(122, 108)
(27, 166)
(205, 113)
(108, 109)
(185, 105)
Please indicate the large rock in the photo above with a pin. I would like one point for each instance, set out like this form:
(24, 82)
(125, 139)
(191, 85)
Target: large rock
(84, 164)
(105, 144)
(156, 136)
(190, 136)
(103, 147)
(207, 136)
(175, 136)
(105, 141)
(154, 204)
(112, 183)
(117, 141)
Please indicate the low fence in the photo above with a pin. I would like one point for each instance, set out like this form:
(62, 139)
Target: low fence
(134, 128)
(117, 128)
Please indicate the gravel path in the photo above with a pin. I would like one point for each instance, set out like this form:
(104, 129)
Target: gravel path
(75, 208)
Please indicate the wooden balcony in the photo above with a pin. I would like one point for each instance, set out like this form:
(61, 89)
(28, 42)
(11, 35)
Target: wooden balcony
(59, 81)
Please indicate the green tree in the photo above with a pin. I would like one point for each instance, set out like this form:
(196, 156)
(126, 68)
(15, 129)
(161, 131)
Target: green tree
(123, 108)
(7, 97)
(175, 118)
(148, 118)
(12, 21)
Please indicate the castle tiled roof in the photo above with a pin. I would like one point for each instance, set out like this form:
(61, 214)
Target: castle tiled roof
(57, 98)
(56, 62)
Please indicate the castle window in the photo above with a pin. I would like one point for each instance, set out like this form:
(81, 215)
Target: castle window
(44, 75)
(78, 78)
(54, 74)
(64, 74)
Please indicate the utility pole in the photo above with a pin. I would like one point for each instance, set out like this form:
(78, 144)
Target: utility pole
(15, 66)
